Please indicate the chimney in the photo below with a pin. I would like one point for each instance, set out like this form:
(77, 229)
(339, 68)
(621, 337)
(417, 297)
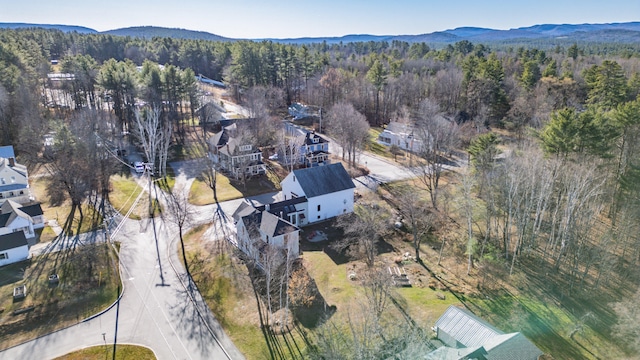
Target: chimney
(12, 162)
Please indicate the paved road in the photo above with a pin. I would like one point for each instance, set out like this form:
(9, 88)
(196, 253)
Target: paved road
(156, 310)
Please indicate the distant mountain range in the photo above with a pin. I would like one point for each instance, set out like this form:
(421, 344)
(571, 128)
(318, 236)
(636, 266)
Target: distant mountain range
(628, 32)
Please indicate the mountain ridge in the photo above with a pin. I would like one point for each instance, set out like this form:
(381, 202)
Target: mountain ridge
(626, 32)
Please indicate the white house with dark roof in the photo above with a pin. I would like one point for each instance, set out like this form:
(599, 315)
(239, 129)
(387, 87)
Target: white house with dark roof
(234, 155)
(14, 179)
(466, 336)
(315, 150)
(328, 189)
(15, 217)
(13, 248)
(262, 235)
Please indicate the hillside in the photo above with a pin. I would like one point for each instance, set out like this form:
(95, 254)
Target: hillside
(63, 28)
(149, 32)
(624, 33)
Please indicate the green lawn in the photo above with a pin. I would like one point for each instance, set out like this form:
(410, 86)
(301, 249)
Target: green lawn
(201, 194)
(125, 190)
(123, 352)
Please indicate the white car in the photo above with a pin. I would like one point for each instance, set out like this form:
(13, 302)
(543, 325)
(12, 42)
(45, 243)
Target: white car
(139, 166)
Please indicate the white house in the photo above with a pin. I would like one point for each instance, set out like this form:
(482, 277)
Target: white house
(303, 147)
(13, 248)
(14, 179)
(265, 237)
(315, 150)
(466, 336)
(328, 190)
(401, 135)
(234, 155)
(15, 217)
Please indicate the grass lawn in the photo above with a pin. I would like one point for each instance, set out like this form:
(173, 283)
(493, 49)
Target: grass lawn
(89, 282)
(125, 190)
(225, 285)
(123, 352)
(373, 146)
(227, 189)
(90, 220)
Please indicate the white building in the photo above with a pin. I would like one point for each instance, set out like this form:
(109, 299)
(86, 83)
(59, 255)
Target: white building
(403, 136)
(13, 248)
(328, 190)
(265, 237)
(235, 156)
(15, 217)
(14, 179)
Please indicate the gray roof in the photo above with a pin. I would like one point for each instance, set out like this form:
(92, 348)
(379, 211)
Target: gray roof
(308, 139)
(32, 209)
(466, 328)
(476, 335)
(7, 152)
(514, 346)
(322, 180)
(13, 240)
(267, 223)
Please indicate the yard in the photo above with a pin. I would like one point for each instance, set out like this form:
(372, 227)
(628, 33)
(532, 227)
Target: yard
(90, 220)
(88, 282)
(126, 192)
(228, 189)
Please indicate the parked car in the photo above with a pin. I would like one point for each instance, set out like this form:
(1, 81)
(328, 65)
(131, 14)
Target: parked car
(139, 166)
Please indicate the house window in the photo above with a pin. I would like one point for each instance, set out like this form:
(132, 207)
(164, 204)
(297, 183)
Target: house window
(316, 140)
(318, 207)
(2, 181)
(13, 179)
(1, 195)
(10, 193)
(294, 195)
(4, 256)
(21, 192)
(245, 148)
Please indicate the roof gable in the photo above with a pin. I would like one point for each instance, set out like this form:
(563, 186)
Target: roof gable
(13, 240)
(322, 180)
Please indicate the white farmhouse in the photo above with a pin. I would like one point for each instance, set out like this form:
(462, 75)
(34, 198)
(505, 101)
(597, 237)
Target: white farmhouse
(13, 248)
(14, 180)
(328, 190)
(265, 237)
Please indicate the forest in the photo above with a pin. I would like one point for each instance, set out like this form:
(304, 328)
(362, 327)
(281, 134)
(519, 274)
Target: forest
(552, 133)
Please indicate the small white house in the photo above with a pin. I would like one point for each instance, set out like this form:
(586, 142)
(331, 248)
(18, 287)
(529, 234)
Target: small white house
(13, 248)
(15, 217)
(401, 135)
(14, 179)
(328, 189)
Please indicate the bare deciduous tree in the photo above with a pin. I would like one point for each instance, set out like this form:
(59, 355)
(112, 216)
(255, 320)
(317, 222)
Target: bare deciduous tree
(349, 128)
(440, 137)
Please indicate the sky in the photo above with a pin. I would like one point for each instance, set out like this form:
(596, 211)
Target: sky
(256, 19)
